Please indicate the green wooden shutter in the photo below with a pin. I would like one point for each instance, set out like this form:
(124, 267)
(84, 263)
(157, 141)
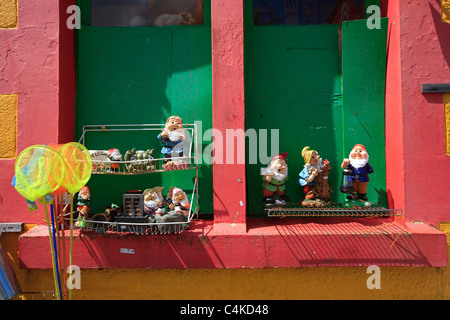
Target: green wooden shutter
(363, 82)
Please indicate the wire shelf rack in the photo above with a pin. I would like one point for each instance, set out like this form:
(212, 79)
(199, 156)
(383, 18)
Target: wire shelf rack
(332, 210)
(143, 166)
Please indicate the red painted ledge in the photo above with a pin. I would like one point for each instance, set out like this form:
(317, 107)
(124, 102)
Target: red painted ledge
(268, 243)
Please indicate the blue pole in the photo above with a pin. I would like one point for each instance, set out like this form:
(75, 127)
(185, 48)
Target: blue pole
(56, 251)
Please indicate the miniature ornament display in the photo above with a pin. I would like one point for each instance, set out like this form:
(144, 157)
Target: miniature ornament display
(139, 160)
(358, 168)
(309, 178)
(274, 177)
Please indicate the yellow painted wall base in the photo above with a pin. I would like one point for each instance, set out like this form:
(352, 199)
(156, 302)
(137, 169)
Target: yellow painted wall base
(445, 11)
(8, 125)
(8, 14)
(228, 284)
(447, 121)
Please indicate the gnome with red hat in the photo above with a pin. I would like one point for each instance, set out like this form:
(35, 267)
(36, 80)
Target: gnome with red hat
(358, 164)
(274, 179)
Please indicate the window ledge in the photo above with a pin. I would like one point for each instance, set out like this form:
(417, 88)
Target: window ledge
(267, 243)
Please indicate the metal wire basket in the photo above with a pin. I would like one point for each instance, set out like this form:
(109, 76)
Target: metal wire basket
(140, 228)
(331, 210)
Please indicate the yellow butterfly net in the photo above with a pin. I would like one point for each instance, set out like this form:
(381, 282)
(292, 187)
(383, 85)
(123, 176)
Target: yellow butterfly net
(78, 166)
(39, 171)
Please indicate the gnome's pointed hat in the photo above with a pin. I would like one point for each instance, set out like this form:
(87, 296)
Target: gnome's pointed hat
(359, 145)
(281, 156)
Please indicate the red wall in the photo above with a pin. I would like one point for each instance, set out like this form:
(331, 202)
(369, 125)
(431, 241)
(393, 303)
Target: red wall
(425, 58)
(39, 66)
(42, 75)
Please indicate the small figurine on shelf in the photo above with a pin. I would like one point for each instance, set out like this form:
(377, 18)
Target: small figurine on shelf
(112, 211)
(180, 201)
(323, 187)
(274, 177)
(358, 164)
(308, 177)
(154, 202)
(129, 156)
(178, 210)
(115, 156)
(172, 137)
(83, 206)
(169, 203)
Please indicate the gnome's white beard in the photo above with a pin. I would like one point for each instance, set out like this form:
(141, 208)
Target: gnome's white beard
(150, 204)
(175, 134)
(318, 166)
(280, 175)
(182, 202)
(359, 163)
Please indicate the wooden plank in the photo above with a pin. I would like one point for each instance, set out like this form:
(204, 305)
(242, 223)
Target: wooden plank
(436, 88)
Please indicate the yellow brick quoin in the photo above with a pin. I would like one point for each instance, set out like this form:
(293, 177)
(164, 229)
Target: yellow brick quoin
(447, 122)
(8, 125)
(8, 14)
(445, 11)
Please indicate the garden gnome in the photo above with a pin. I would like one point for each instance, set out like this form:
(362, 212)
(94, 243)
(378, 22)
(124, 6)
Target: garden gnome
(84, 199)
(83, 206)
(154, 201)
(274, 179)
(308, 176)
(358, 163)
(172, 137)
(180, 201)
(313, 166)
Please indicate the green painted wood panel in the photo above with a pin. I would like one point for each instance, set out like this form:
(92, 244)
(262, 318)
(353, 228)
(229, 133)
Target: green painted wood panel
(293, 84)
(143, 75)
(363, 73)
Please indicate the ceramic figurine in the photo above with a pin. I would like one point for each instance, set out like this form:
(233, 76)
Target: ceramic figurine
(140, 160)
(172, 137)
(358, 164)
(323, 187)
(115, 156)
(83, 206)
(111, 212)
(178, 207)
(154, 202)
(169, 203)
(130, 155)
(149, 163)
(308, 177)
(274, 177)
(180, 201)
